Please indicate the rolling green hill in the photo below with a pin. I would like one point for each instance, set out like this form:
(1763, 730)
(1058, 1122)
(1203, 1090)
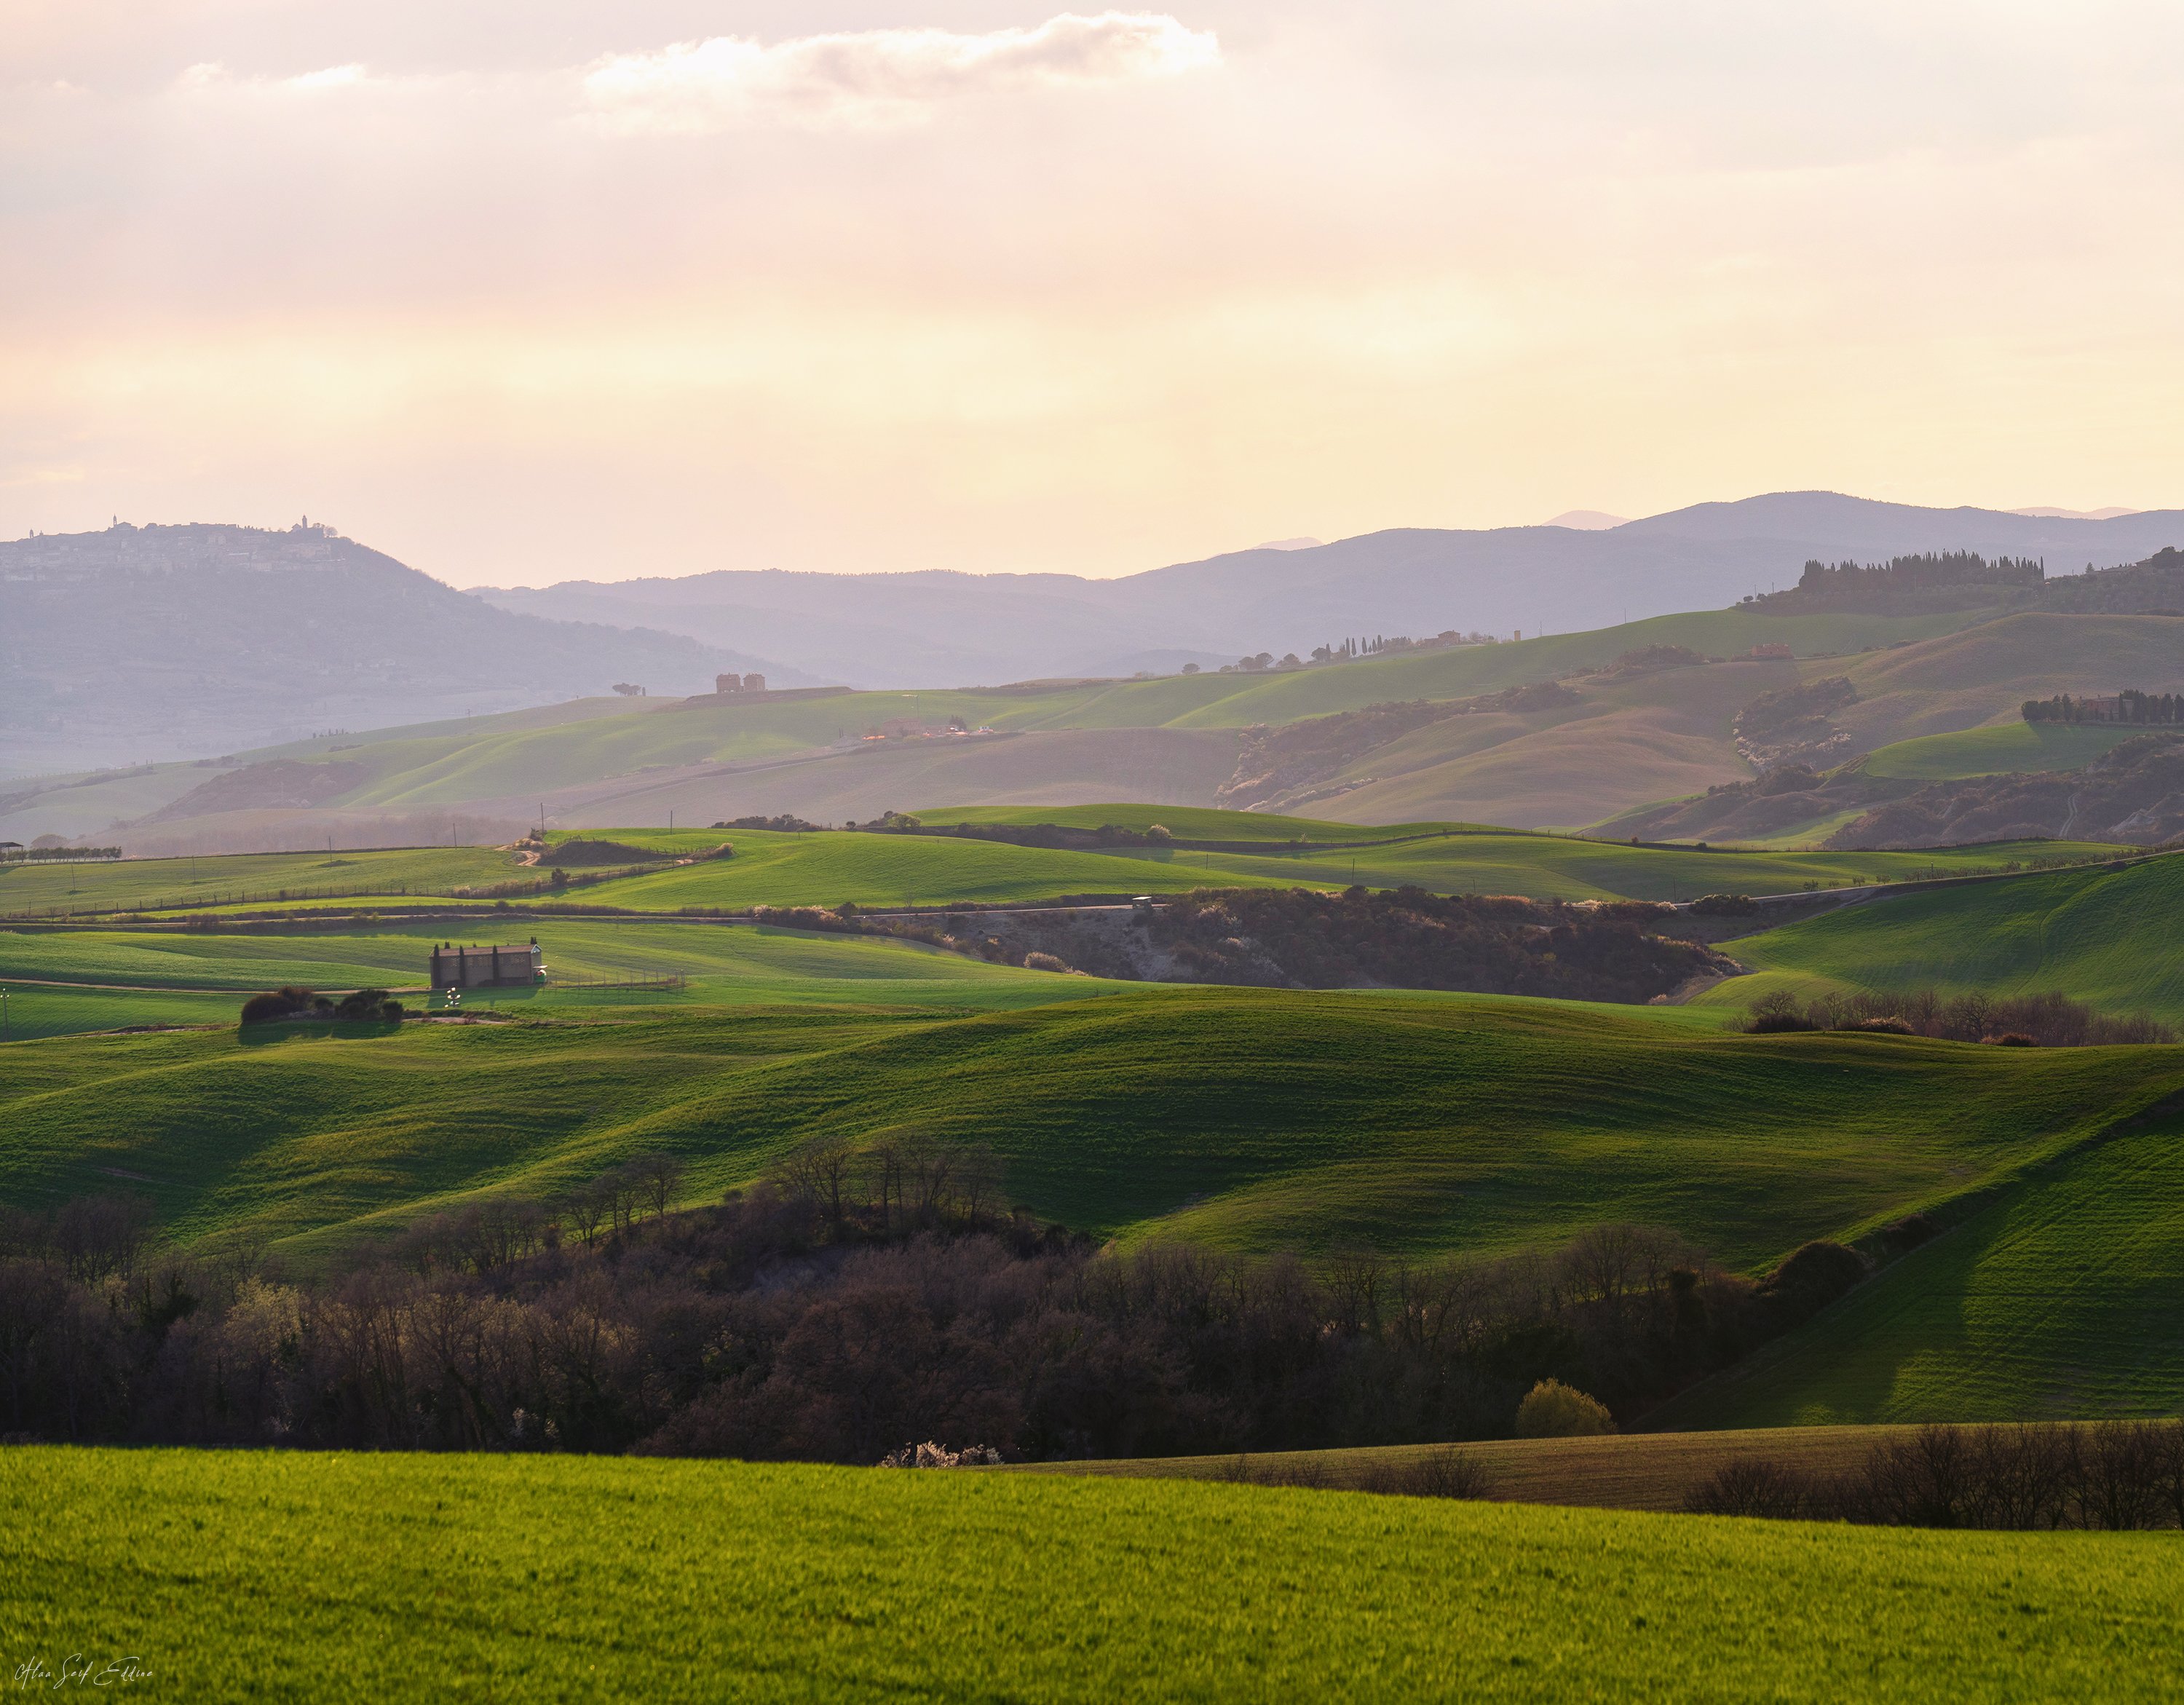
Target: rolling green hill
(1173, 741)
(2009, 746)
(154, 978)
(2106, 937)
(534, 1577)
(1967, 679)
(1252, 1119)
(2063, 1294)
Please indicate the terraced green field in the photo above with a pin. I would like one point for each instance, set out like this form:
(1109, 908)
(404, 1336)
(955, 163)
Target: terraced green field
(1251, 1118)
(1187, 822)
(234, 1576)
(896, 870)
(827, 869)
(28, 890)
(2106, 937)
(2013, 746)
(2063, 1295)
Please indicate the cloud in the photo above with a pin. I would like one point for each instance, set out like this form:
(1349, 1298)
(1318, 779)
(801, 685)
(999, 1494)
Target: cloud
(878, 77)
(211, 78)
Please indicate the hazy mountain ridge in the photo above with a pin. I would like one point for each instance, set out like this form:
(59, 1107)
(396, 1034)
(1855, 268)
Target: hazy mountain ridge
(936, 629)
(139, 643)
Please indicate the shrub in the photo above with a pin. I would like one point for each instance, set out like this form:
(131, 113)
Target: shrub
(1810, 1278)
(1887, 1025)
(364, 1003)
(1443, 1473)
(1724, 905)
(2014, 1039)
(1775, 1013)
(393, 1010)
(1762, 1488)
(1552, 1410)
(1044, 962)
(272, 1007)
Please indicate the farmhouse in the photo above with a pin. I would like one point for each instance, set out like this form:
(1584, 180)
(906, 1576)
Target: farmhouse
(519, 967)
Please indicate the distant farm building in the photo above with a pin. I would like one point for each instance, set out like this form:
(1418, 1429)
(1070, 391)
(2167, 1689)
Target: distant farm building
(519, 967)
(739, 683)
(1775, 650)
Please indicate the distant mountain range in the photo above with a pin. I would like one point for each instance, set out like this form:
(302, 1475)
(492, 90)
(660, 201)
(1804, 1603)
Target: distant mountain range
(945, 629)
(151, 642)
(161, 642)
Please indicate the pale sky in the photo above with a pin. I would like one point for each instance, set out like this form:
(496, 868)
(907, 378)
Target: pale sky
(529, 290)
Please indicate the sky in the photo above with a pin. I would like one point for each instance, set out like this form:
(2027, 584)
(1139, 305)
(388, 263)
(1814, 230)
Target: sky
(522, 291)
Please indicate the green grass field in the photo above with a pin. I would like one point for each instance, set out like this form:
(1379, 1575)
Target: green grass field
(2012, 746)
(1255, 1119)
(239, 1576)
(2105, 937)
(2063, 1295)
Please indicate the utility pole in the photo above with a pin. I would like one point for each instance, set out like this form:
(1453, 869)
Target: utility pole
(7, 1021)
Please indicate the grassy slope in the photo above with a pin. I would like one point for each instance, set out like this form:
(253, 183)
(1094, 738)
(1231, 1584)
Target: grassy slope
(1617, 1471)
(2102, 936)
(509, 757)
(1965, 679)
(1255, 1118)
(324, 1577)
(2063, 1295)
(2009, 746)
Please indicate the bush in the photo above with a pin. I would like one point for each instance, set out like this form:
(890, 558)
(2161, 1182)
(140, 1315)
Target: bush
(2014, 1039)
(1044, 962)
(1723, 905)
(1552, 1410)
(1444, 1473)
(1887, 1025)
(1776, 1013)
(393, 1010)
(1810, 1278)
(1763, 1488)
(279, 1004)
(364, 1003)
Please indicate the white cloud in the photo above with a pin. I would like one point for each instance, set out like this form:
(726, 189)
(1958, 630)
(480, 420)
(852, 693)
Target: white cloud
(879, 77)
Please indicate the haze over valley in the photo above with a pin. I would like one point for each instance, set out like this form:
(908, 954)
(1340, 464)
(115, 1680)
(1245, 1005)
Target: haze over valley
(918, 944)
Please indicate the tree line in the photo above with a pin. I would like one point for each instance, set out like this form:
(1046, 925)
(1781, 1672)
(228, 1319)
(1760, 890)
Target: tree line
(2131, 706)
(861, 1296)
(2111, 1476)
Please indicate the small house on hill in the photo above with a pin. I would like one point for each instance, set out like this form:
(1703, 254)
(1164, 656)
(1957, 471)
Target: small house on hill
(519, 967)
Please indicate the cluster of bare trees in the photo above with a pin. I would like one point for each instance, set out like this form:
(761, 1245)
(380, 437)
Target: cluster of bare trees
(864, 1295)
(2048, 1020)
(2111, 1475)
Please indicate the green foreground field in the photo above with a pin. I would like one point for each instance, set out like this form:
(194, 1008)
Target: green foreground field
(247, 1575)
